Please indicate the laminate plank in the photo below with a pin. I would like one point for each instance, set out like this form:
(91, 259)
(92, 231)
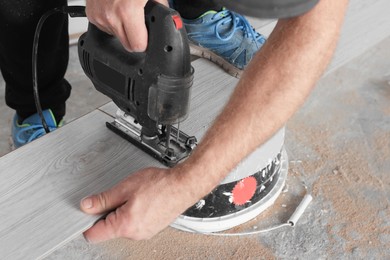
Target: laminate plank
(43, 182)
(367, 23)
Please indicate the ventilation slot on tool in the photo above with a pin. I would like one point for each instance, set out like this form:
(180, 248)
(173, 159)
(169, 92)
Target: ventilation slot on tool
(87, 66)
(130, 89)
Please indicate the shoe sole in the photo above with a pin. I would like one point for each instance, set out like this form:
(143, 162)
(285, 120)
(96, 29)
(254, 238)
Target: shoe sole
(221, 62)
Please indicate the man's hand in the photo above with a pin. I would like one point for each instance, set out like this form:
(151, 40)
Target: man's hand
(123, 18)
(144, 203)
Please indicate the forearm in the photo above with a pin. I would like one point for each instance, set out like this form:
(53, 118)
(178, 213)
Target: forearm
(272, 88)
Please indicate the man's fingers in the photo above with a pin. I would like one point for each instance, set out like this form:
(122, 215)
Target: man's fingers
(104, 202)
(135, 31)
(120, 33)
(138, 40)
(122, 18)
(104, 229)
(116, 224)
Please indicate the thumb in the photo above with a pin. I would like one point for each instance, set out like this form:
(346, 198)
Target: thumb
(103, 202)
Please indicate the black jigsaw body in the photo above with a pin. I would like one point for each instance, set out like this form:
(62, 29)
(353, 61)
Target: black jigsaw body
(151, 89)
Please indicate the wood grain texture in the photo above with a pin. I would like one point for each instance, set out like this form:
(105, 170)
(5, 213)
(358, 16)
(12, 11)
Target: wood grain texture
(43, 182)
(367, 23)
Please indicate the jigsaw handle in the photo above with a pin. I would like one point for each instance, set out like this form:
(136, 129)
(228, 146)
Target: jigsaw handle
(152, 86)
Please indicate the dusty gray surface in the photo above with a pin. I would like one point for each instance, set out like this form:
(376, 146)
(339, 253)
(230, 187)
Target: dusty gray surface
(342, 137)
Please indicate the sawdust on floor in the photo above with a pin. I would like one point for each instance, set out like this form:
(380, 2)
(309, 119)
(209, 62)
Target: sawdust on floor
(173, 244)
(357, 214)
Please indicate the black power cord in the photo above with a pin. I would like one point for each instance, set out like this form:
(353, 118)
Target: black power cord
(73, 11)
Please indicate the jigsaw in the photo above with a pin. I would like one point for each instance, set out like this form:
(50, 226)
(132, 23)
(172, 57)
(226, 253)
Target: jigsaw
(151, 89)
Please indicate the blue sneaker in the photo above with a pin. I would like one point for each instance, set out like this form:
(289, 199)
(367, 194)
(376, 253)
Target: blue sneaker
(32, 128)
(226, 38)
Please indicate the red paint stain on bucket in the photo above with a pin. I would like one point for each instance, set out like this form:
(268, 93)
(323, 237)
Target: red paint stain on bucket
(244, 190)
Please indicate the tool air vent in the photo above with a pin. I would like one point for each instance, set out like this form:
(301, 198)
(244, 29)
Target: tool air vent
(87, 66)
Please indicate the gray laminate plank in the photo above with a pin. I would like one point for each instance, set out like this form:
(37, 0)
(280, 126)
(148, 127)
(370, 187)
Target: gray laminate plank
(367, 23)
(81, 158)
(43, 182)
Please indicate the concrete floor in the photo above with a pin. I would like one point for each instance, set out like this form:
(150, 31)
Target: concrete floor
(340, 140)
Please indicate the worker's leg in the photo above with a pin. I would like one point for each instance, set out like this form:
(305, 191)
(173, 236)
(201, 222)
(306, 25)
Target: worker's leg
(192, 9)
(222, 36)
(18, 20)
